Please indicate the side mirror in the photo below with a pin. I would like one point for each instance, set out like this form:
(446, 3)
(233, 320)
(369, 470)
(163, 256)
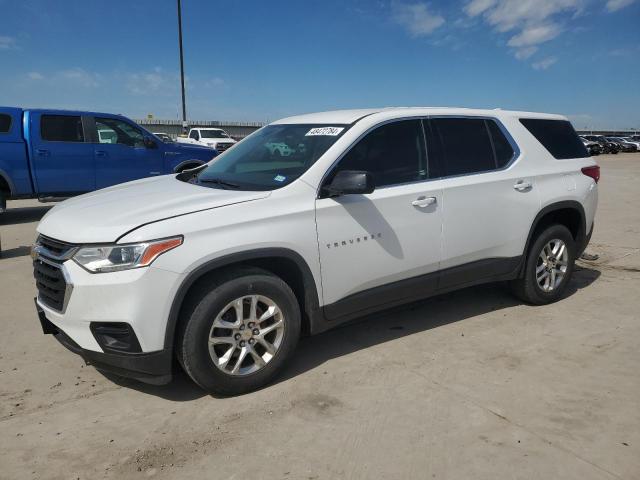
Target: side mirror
(148, 143)
(347, 182)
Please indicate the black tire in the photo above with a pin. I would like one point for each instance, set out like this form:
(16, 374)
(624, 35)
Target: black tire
(192, 346)
(526, 288)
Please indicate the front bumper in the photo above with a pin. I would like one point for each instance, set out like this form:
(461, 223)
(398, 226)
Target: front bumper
(150, 367)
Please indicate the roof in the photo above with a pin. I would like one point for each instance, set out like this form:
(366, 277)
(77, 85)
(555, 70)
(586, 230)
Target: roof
(351, 116)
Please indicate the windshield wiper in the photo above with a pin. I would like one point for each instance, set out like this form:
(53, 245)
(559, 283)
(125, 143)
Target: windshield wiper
(218, 181)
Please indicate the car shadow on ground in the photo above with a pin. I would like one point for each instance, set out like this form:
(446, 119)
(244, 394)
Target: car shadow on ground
(375, 329)
(14, 216)
(22, 251)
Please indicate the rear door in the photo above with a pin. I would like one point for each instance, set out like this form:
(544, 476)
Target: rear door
(121, 154)
(489, 198)
(62, 159)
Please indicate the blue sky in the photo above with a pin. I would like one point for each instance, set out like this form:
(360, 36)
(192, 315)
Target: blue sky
(262, 60)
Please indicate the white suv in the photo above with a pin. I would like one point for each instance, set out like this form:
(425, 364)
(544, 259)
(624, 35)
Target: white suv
(226, 265)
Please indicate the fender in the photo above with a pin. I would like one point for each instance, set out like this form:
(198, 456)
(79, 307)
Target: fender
(563, 205)
(312, 308)
(196, 163)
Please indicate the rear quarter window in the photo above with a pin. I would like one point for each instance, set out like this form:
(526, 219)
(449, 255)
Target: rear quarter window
(557, 136)
(5, 123)
(61, 128)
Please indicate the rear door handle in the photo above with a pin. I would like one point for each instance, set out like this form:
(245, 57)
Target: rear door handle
(422, 202)
(42, 151)
(101, 153)
(521, 186)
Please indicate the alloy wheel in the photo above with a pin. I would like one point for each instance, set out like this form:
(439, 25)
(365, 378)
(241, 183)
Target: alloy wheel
(552, 264)
(246, 335)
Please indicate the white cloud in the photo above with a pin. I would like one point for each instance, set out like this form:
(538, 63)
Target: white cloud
(534, 35)
(214, 82)
(144, 83)
(532, 21)
(525, 52)
(506, 15)
(476, 7)
(416, 18)
(35, 76)
(615, 5)
(544, 63)
(79, 76)
(7, 43)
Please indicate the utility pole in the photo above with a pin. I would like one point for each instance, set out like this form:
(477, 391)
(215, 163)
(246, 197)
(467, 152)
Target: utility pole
(184, 106)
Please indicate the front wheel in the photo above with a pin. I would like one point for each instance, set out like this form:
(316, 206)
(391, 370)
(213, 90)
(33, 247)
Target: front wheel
(549, 266)
(239, 331)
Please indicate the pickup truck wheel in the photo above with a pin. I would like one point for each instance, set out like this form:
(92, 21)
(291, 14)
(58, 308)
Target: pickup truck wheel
(549, 267)
(239, 332)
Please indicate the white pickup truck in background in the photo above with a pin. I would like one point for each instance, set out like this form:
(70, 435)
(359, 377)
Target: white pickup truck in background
(209, 137)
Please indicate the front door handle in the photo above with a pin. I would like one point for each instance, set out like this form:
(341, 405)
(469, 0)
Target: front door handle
(101, 153)
(522, 186)
(42, 151)
(422, 202)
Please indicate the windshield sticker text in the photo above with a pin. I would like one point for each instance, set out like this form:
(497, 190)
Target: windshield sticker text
(326, 131)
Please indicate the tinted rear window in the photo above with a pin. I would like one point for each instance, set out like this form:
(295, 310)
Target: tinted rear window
(5, 123)
(466, 145)
(503, 149)
(61, 128)
(557, 136)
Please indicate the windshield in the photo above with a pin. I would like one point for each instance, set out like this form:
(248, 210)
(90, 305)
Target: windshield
(271, 158)
(213, 134)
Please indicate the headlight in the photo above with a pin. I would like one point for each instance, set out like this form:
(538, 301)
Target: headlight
(112, 258)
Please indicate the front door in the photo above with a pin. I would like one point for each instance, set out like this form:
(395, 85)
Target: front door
(370, 245)
(121, 154)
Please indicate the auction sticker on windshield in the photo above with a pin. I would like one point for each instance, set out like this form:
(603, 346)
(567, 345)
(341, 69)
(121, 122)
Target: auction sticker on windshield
(328, 131)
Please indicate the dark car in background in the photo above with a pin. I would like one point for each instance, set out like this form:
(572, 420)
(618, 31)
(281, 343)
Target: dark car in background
(624, 146)
(594, 148)
(607, 146)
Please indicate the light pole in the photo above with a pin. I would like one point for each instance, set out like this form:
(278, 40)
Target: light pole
(184, 106)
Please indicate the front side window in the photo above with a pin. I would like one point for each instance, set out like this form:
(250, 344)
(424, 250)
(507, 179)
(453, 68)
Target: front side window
(194, 135)
(393, 153)
(61, 128)
(557, 136)
(214, 134)
(270, 158)
(111, 130)
(5, 123)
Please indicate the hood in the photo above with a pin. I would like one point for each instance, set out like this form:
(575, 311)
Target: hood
(105, 215)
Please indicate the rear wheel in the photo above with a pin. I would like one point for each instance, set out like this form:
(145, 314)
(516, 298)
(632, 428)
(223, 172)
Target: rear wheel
(549, 266)
(239, 332)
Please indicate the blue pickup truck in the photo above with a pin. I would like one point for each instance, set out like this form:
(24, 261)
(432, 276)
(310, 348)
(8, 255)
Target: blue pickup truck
(59, 153)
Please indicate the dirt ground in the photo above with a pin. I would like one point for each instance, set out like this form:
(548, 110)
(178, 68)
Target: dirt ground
(469, 385)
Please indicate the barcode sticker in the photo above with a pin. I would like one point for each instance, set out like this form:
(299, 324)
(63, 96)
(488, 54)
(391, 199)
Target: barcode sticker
(327, 131)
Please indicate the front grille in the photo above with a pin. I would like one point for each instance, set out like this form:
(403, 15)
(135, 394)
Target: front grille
(53, 287)
(221, 147)
(54, 248)
(51, 284)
